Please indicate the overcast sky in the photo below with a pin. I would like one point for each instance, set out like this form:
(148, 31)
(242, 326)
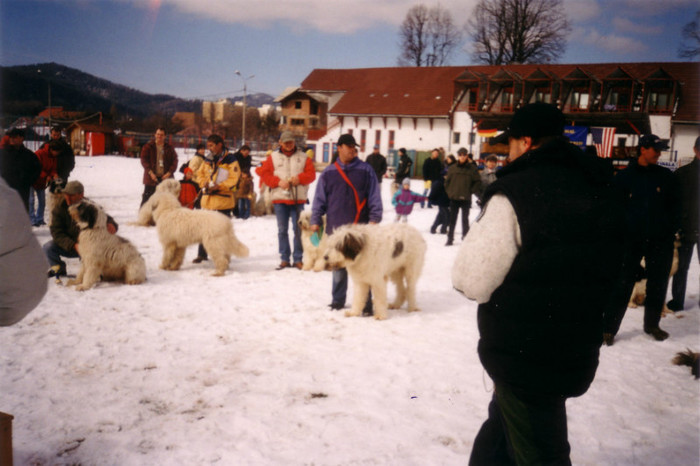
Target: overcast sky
(192, 48)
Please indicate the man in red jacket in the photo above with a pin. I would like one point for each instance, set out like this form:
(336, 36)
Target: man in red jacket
(159, 162)
(48, 157)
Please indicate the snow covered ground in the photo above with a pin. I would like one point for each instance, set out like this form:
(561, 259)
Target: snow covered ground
(253, 369)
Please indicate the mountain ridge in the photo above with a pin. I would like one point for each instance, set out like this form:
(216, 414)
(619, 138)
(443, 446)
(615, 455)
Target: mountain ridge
(24, 90)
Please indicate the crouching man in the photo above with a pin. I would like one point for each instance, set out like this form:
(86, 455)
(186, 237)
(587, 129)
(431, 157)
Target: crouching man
(64, 230)
(540, 261)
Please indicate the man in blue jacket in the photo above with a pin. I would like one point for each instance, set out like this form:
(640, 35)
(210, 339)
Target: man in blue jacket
(347, 192)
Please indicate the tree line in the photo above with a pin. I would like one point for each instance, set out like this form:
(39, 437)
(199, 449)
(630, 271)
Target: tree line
(502, 32)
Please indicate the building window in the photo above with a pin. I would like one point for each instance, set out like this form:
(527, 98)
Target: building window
(313, 122)
(377, 138)
(326, 152)
(297, 122)
(659, 102)
(542, 95)
(363, 139)
(507, 100)
(455, 137)
(579, 101)
(297, 104)
(313, 108)
(391, 139)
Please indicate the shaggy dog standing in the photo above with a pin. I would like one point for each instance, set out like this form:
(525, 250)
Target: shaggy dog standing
(145, 217)
(373, 254)
(313, 254)
(178, 227)
(103, 254)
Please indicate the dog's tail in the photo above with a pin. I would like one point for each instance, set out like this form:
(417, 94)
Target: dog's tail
(237, 248)
(690, 359)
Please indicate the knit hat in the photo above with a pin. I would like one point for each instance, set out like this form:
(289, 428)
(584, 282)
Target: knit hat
(406, 181)
(73, 187)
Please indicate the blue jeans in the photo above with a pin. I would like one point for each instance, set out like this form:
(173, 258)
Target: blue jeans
(37, 215)
(243, 208)
(285, 213)
(54, 252)
(339, 288)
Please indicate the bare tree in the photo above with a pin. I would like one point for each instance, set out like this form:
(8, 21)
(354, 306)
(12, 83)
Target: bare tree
(690, 46)
(428, 37)
(518, 31)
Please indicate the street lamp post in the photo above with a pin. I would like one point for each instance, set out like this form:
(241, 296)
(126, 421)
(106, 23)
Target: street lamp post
(245, 94)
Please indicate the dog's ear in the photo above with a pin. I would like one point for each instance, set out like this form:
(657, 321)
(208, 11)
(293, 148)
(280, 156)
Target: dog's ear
(88, 213)
(398, 249)
(352, 245)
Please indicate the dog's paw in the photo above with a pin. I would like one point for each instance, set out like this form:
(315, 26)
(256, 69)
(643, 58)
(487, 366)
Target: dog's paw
(352, 313)
(72, 282)
(413, 309)
(82, 287)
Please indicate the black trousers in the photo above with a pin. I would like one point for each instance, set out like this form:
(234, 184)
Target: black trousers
(147, 193)
(678, 285)
(455, 207)
(522, 431)
(201, 252)
(658, 256)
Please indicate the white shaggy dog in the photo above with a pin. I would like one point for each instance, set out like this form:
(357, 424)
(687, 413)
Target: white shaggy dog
(178, 227)
(373, 254)
(313, 255)
(103, 254)
(145, 217)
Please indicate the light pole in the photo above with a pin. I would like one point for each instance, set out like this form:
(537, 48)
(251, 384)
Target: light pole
(245, 94)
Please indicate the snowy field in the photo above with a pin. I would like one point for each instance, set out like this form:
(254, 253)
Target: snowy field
(253, 368)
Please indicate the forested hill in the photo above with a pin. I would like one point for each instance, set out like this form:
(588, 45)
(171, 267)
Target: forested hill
(24, 90)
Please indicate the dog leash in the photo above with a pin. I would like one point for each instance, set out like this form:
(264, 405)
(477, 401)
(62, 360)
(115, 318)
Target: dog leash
(359, 205)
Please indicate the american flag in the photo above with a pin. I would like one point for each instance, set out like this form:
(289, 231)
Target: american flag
(603, 139)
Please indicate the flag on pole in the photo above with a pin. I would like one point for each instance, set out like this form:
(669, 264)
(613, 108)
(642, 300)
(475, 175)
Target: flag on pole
(487, 133)
(603, 139)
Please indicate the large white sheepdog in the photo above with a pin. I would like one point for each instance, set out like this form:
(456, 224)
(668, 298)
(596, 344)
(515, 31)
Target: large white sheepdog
(103, 254)
(313, 253)
(145, 217)
(373, 254)
(178, 227)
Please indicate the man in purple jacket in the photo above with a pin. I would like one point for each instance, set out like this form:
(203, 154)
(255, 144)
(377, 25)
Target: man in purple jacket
(347, 192)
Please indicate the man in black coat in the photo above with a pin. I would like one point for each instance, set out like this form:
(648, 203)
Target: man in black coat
(432, 168)
(19, 166)
(652, 211)
(540, 261)
(378, 163)
(687, 177)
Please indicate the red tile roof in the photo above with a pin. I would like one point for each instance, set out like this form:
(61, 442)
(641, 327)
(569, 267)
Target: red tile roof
(424, 91)
(430, 91)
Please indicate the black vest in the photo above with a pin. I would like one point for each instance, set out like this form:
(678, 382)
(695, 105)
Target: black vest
(542, 328)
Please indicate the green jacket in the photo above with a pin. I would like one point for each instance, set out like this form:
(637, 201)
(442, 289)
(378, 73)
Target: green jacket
(462, 181)
(64, 230)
